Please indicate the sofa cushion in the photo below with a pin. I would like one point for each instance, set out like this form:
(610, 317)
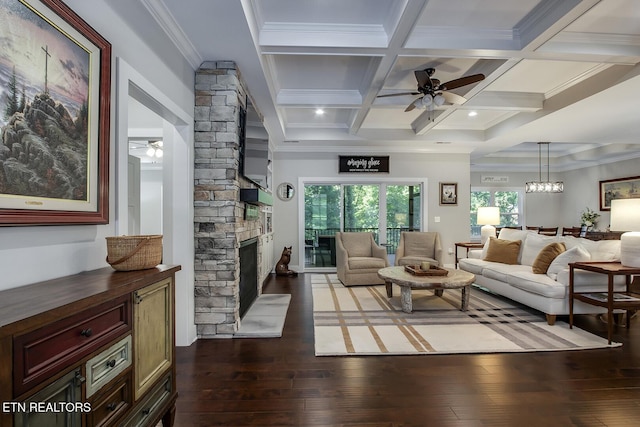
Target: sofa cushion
(599, 250)
(546, 256)
(357, 244)
(513, 234)
(575, 254)
(503, 251)
(359, 263)
(539, 284)
(499, 271)
(533, 245)
(473, 265)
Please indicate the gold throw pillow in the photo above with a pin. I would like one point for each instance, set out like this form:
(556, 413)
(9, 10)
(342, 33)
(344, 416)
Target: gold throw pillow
(546, 256)
(503, 251)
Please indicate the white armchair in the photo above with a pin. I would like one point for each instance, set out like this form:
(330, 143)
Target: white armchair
(358, 259)
(418, 246)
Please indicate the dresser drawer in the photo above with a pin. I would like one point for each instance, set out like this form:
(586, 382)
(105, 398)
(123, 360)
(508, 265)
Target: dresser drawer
(46, 351)
(104, 367)
(111, 404)
(146, 411)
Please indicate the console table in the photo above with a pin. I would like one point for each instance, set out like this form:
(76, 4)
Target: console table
(94, 348)
(610, 299)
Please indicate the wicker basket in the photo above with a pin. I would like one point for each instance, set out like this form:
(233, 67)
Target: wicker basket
(127, 253)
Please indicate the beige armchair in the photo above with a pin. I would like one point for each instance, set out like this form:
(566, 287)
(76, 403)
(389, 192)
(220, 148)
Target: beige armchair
(358, 259)
(418, 246)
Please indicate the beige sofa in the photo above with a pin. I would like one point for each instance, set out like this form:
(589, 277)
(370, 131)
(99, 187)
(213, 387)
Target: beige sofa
(548, 292)
(418, 246)
(358, 259)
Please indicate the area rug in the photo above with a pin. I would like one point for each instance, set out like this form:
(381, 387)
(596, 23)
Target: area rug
(361, 320)
(265, 318)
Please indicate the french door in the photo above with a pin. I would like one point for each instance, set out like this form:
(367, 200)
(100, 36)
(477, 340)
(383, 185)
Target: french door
(384, 209)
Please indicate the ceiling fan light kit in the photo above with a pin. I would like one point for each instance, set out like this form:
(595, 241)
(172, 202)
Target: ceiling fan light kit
(541, 186)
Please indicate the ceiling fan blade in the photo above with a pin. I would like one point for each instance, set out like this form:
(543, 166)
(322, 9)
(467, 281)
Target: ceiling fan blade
(462, 81)
(398, 94)
(453, 98)
(410, 107)
(423, 78)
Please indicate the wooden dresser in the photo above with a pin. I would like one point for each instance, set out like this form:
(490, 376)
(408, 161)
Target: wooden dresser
(92, 349)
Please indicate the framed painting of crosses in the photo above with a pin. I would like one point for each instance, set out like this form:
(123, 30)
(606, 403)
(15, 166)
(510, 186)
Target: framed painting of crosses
(55, 72)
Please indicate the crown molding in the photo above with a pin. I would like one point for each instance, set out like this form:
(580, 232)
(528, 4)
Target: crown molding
(160, 12)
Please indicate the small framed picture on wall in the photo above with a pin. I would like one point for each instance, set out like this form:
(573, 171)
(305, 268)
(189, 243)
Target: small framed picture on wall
(448, 193)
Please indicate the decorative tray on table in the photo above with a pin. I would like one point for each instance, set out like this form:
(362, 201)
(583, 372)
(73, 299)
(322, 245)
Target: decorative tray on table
(433, 271)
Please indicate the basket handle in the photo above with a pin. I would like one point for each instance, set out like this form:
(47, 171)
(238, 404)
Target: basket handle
(130, 254)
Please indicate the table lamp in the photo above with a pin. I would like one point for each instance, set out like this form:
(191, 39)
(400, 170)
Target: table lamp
(488, 217)
(625, 216)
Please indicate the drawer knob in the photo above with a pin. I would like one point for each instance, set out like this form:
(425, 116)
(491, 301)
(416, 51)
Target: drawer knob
(111, 406)
(86, 332)
(111, 363)
(146, 411)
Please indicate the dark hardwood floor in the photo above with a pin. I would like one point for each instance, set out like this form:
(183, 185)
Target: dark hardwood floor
(279, 382)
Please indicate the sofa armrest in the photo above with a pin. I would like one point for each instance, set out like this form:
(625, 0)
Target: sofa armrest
(475, 254)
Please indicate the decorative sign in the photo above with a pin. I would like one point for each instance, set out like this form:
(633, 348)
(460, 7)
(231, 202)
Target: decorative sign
(494, 179)
(364, 164)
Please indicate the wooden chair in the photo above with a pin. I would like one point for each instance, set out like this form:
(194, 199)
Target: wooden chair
(532, 228)
(548, 231)
(571, 231)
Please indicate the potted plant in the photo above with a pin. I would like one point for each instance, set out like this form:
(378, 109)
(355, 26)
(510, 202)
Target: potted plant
(589, 218)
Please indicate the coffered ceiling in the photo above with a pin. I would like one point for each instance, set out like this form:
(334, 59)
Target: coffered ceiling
(563, 71)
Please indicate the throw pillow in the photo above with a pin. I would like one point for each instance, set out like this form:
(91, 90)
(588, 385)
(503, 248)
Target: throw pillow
(503, 251)
(546, 256)
(575, 254)
(532, 247)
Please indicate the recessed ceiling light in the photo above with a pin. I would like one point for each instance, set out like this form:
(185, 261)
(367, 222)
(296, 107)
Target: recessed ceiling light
(319, 112)
(473, 113)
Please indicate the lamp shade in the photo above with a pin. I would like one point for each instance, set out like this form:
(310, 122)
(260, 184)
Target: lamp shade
(488, 215)
(625, 216)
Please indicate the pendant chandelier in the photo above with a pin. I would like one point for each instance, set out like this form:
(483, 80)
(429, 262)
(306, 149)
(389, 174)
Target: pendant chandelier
(541, 186)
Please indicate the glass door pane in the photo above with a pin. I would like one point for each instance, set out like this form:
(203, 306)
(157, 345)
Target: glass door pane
(322, 220)
(403, 213)
(362, 208)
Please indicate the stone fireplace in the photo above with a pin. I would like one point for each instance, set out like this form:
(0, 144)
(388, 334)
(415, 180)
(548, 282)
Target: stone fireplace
(220, 225)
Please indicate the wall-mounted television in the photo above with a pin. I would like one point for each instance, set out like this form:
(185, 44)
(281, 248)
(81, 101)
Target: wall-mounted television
(254, 147)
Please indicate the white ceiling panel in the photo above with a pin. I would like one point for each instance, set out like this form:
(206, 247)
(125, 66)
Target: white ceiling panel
(549, 66)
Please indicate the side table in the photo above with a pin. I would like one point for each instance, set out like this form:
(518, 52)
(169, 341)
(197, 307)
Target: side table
(611, 300)
(467, 245)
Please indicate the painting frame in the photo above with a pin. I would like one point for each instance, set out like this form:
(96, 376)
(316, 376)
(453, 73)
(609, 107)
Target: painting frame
(92, 205)
(449, 193)
(618, 188)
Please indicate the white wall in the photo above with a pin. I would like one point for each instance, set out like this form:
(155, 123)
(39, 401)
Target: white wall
(434, 168)
(30, 254)
(582, 189)
(150, 201)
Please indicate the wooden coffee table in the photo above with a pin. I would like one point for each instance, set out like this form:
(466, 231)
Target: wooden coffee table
(456, 279)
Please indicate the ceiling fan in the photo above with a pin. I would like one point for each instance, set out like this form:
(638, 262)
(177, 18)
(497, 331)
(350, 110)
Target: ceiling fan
(435, 93)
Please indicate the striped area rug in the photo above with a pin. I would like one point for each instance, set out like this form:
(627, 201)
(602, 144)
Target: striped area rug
(361, 320)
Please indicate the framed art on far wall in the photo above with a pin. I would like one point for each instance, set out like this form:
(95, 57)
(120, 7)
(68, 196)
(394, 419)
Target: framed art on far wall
(619, 188)
(54, 149)
(448, 193)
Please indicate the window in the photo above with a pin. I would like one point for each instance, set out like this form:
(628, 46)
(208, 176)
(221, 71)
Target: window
(508, 200)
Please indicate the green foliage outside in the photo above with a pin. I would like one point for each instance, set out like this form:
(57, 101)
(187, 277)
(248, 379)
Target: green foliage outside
(507, 201)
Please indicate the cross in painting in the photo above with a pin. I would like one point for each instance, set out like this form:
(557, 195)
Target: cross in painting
(46, 66)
